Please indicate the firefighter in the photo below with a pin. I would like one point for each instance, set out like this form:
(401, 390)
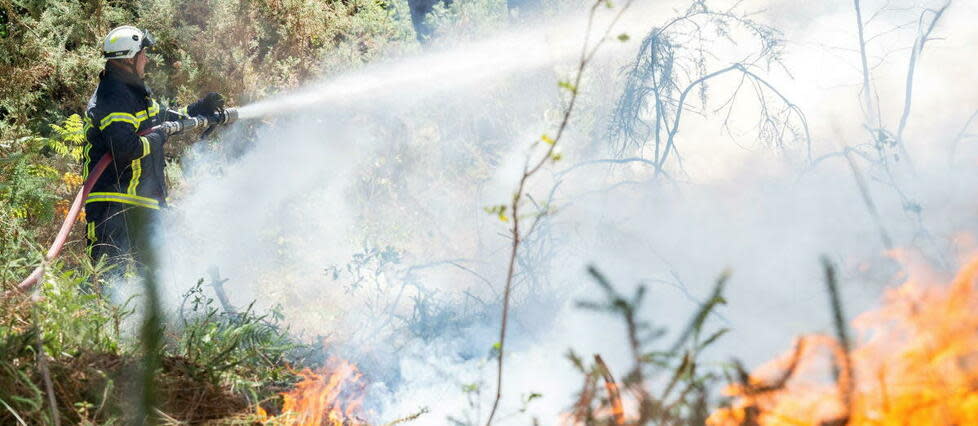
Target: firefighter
(125, 200)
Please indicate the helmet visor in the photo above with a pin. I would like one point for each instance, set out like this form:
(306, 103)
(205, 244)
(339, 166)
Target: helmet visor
(148, 41)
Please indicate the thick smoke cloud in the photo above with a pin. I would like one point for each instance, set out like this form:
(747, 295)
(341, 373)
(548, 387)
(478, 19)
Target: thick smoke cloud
(406, 154)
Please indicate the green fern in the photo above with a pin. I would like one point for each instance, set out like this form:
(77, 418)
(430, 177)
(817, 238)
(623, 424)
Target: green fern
(69, 139)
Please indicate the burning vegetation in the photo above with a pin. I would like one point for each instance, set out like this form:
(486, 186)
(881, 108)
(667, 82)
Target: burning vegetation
(915, 361)
(331, 396)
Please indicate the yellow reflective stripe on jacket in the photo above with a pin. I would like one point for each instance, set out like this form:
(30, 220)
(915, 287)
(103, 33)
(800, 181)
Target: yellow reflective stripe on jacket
(135, 120)
(137, 167)
(118, 197)
(151, 112)
(88, 160)
(119, 116)
(92, 238)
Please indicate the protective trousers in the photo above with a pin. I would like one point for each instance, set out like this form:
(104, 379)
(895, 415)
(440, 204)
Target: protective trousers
(119, 233)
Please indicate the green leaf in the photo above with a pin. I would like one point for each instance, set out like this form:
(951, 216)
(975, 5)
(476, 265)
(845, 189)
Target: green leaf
(568, 86)
(713, 338)
(623, 37)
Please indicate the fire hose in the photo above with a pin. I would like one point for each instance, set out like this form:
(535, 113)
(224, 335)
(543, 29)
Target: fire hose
(222, 117)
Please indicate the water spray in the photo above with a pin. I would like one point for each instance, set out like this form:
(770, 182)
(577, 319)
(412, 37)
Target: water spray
(222, 117)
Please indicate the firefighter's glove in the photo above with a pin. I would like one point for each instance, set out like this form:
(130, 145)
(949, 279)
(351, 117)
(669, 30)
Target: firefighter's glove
(206, 106)
(169, 128)
(158, 137)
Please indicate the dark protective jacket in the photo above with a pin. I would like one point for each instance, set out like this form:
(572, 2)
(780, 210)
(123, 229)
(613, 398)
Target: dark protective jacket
(122, 107)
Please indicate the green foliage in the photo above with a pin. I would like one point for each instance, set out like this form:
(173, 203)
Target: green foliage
(250, 49)
(24, 189)
(21, 397)
(498, 211)
(366, 267)
(468, 18)
(37, 175)
(568, 86)
(230, 359)
(683, 397)
(49, 58)
(69, 139)
(79, 336)
(73, 320)
(247, 351)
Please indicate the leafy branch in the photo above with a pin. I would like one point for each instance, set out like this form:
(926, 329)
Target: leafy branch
(530, 168)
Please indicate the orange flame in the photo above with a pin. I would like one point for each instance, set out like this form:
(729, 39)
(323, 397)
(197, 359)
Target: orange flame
(916, 362)
(332, 397)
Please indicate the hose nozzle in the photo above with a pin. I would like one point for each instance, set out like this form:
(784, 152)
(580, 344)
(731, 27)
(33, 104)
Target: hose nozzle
(221, 117)
(226, 116)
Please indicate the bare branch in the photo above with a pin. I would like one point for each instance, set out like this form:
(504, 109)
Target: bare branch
(613, 394)
(867, 198)
(918, 48)
(845, 377)
(870, 109)
(670, 140)
(961, 135)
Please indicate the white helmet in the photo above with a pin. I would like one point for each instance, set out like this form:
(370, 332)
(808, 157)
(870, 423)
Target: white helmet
(125, 42)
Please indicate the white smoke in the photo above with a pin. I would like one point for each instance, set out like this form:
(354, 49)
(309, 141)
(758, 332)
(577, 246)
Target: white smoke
(407, 153)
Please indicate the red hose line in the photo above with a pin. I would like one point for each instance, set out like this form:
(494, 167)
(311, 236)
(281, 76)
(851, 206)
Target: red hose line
(70, 220)
(76, 207)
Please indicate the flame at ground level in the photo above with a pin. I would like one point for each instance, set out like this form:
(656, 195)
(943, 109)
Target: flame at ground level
(330, 397)
(915, 362)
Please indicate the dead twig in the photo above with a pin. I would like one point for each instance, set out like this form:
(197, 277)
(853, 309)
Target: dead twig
(582, 408)
(671, 134)
(753, 389)
(867, 197)
(963, 134)
(844, 375)
(614, 396)
(918, 48)
(409, 418)
(867, 94)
